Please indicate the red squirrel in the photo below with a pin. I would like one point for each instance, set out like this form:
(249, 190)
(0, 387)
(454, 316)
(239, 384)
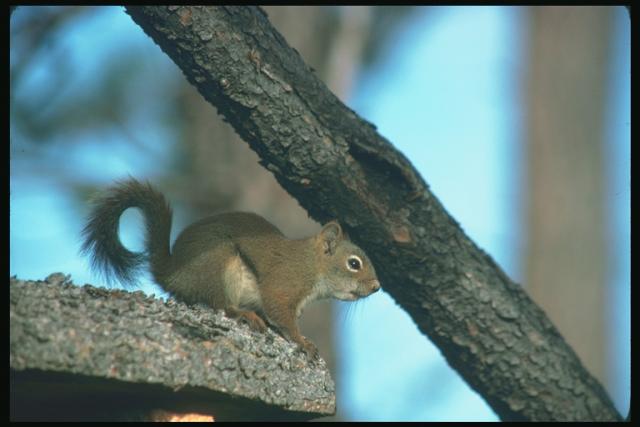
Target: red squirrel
(235, 261)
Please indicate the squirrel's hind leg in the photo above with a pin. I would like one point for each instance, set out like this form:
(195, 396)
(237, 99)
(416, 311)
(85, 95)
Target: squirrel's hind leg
(254, 321)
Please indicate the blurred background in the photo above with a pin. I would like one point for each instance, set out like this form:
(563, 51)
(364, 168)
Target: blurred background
(518, 118)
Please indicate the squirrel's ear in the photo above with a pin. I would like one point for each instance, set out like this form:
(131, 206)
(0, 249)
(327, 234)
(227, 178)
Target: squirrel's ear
(330, 235)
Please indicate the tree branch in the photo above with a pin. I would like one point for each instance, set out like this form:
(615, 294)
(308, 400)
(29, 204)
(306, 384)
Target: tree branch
(337, 166)
(86, 353)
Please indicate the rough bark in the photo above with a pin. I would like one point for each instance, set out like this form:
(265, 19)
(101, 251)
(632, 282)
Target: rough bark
(86, 353)
(338, 166)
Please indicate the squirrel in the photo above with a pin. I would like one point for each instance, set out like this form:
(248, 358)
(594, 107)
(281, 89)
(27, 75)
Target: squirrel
(235, 261)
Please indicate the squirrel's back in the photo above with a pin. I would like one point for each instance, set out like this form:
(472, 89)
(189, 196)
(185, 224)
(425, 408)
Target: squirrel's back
(259, 242)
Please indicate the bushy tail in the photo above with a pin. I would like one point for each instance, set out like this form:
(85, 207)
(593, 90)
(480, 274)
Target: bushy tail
(102, 243)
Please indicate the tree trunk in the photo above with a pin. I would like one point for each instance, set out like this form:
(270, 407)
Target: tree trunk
(566, 261)
(337, 166)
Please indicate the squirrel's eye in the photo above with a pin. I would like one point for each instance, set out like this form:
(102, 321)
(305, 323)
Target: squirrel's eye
(354, 263)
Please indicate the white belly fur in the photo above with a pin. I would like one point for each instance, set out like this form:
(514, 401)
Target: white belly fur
(241, 286)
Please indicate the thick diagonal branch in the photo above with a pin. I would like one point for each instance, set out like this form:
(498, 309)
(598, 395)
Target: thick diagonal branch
(338, 166)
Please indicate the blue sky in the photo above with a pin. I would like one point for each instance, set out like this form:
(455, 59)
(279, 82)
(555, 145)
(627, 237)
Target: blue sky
(444, 112)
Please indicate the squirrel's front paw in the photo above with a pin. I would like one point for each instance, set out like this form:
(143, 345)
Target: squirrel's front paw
(309, 348)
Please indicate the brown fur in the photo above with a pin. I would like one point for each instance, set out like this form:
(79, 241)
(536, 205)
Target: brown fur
(234, 261)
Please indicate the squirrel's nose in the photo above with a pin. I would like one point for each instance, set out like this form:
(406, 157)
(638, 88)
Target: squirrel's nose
(375, 286)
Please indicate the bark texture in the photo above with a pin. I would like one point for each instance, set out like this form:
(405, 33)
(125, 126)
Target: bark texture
(86, 353)
(337, 166)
